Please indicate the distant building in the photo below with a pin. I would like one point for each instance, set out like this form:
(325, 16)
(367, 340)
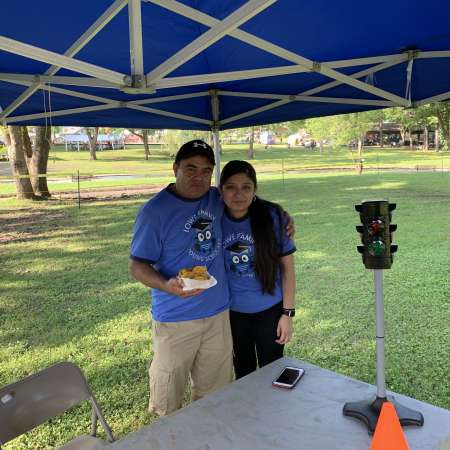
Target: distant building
(80, 141)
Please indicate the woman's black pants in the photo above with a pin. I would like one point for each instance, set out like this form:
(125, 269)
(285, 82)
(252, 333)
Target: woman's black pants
(254, 336)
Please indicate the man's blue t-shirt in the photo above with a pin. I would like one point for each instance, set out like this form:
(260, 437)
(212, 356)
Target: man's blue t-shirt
(239, 251)
(172, 233)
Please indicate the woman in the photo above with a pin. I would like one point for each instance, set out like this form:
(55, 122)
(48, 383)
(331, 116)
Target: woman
(260, 266)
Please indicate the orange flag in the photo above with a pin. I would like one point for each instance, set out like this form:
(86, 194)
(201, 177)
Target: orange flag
(388, 432)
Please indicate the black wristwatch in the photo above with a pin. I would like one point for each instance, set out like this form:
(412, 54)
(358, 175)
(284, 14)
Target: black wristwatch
(289, 312)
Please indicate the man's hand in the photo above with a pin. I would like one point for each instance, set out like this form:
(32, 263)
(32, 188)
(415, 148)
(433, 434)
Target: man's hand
(175, 286)
(150, 277)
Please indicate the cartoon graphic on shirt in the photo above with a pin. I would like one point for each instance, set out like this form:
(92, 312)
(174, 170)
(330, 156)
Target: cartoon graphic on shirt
(204, 241)
(239, 258)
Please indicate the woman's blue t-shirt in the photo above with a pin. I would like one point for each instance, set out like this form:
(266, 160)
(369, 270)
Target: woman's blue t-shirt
(239, 251)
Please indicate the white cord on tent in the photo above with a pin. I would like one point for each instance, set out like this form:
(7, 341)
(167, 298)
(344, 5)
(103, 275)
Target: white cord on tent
(409, 69)
(45, 107)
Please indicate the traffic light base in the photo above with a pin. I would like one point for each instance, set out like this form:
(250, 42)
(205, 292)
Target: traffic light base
(368, 411)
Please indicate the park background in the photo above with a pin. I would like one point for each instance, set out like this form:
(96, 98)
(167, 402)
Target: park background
(66, 293)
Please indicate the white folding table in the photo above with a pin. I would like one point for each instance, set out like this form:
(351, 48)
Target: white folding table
(250, 414)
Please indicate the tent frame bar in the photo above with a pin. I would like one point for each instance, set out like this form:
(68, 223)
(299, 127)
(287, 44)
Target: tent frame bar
(39, 54)
(180, 81)
(84, 39)
(276, 50)
(221, 28)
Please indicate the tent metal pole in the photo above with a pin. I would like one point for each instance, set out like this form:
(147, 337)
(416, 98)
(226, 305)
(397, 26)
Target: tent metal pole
(135, 26)
(379, 307)
(215, 108)
(216, 141)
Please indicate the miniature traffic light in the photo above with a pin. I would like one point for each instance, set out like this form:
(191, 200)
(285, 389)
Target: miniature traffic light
(376, 233)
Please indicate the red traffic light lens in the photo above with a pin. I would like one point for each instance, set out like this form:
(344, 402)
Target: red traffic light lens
(375, 226)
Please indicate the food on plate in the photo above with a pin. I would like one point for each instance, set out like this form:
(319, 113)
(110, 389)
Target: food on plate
(194, 273)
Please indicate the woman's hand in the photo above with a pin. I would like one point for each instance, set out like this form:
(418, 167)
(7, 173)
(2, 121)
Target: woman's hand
(284, 329)
(290, 225)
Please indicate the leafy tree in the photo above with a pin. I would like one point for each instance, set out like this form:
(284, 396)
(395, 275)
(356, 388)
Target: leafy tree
(347, 128)
(294, 126)
(441, 111)
(404, 118)
(320, 128)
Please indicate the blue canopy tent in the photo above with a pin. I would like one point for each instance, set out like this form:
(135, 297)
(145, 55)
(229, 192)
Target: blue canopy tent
(213, 64)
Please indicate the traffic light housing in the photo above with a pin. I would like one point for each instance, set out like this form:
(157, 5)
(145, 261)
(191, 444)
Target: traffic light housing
(376, 233)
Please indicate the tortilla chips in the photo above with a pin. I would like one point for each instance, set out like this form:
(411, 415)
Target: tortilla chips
(194, 273)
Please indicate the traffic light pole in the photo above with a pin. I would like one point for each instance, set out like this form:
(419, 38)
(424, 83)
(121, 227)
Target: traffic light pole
(376, 251)
(379, 309)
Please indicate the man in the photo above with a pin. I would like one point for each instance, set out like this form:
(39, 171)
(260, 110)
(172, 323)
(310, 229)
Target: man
(178, 228)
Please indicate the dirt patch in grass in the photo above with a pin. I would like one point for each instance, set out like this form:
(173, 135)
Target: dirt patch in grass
(102, 194)
(28, 223)
(33, 223)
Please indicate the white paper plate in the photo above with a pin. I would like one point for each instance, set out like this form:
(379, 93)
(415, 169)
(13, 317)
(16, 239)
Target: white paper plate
(190, 284)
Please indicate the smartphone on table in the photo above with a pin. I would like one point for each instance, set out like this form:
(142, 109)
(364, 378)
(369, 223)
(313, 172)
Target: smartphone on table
(289, 377)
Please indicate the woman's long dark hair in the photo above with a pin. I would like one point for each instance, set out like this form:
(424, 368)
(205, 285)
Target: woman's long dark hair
(267, 244)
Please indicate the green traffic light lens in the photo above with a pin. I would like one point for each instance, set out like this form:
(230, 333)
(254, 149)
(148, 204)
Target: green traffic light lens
(376, 248)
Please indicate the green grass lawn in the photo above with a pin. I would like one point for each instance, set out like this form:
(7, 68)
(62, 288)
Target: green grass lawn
(66, 293)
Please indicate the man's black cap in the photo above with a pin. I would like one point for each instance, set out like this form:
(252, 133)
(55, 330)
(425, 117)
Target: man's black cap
(196, 147)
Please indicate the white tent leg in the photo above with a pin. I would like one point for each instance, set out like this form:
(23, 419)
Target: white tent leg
(216, 156)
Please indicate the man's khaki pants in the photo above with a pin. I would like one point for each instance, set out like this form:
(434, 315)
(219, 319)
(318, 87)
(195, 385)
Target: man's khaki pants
(202, 348)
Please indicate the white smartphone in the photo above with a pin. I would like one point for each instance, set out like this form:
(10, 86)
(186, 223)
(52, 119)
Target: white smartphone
(289, 377)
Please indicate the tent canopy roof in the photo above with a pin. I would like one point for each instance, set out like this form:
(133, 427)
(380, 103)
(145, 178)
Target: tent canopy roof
(202, 64)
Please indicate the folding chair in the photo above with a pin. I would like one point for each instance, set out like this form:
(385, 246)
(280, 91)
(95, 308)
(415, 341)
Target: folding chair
(33, 400)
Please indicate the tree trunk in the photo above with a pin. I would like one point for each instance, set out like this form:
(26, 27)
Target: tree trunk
(145, 141)
(16, 152)
(37, 164)
(250, 151)
(436, 139)
(320, 145)
(425, 138)
(410, 140)
(92, 136)
(381, 135)
(403, 134)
